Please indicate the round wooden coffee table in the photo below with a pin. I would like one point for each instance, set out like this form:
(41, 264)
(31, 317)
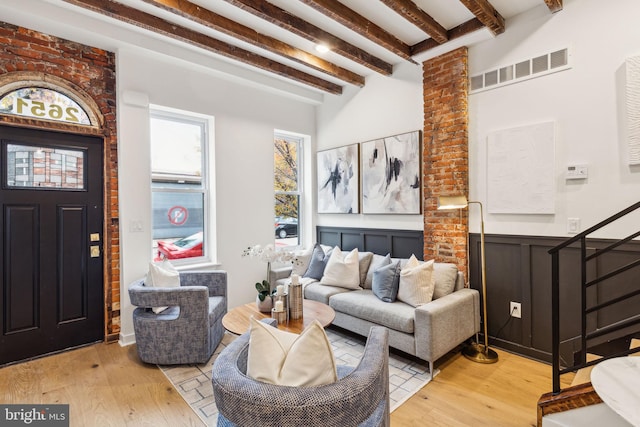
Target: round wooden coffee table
(237, 319)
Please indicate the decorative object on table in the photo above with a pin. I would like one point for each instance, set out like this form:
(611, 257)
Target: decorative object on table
(280, 296)
(267, 253)
(338, 183)
(391, 180)
(480, 353)
(264, 300)
(278, 312)
(295, 298)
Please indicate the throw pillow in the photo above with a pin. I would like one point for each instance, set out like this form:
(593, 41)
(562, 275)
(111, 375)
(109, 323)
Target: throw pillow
(365, 260)
(283, 358)
(416, 282)
(301, 261)
(385, 282)
(343, 269)
(376, 262)
(445, 276)
(162, 275)
(317, 263)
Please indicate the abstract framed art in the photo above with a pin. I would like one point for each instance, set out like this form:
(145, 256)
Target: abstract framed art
(391, 179)
(338, 180)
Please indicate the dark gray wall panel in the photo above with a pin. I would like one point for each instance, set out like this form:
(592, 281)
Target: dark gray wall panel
(519, 269)
(399, 243)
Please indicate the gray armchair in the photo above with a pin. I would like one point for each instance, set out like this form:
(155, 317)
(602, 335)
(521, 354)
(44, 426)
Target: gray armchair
(190, 329)
(360, 397)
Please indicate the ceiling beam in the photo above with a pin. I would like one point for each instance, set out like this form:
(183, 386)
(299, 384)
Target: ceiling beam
(158, 25)
(463, 29)
(554, 5)
(306, 30)
(412, 13)
(487, 14)
(361, 25)
(212, 20)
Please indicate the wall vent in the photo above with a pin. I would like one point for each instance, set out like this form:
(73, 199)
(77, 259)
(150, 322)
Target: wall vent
(538, 66)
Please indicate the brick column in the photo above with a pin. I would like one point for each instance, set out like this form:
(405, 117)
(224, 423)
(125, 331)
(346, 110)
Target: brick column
(446, 162)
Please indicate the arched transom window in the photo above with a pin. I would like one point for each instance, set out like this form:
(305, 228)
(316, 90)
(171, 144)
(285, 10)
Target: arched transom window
(43, 103)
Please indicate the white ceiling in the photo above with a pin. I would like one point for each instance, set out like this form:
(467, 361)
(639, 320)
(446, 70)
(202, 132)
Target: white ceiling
(448, 13)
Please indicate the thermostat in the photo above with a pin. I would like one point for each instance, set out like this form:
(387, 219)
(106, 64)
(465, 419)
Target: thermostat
(577, 172)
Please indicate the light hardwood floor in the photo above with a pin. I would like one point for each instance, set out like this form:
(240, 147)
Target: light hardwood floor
(104, 384)
(107, 385)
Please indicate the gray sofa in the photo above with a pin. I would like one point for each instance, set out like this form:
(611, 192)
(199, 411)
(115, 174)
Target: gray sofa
(428, 331)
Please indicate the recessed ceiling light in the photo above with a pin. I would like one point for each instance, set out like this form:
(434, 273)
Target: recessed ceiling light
(322, 48)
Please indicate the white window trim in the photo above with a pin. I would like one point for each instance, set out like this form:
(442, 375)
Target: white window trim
(210, 258)
(303, 218)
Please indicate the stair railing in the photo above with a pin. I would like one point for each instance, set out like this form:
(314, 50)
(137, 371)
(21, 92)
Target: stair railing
(585, 285)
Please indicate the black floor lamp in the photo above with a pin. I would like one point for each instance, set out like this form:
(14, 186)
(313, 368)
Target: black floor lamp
(480, 353)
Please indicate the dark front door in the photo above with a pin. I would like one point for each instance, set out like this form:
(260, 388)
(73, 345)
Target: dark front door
(51, 252)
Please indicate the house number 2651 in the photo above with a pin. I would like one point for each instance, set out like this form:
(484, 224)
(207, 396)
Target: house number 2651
(27, 107)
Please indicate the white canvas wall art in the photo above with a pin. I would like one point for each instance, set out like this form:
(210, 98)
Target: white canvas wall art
(633, 108)
(391, 179)
(338, 184)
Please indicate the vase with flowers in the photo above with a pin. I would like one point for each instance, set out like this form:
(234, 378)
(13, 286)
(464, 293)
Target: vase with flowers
(269, 254)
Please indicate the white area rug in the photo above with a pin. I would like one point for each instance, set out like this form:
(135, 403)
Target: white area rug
(193, 382)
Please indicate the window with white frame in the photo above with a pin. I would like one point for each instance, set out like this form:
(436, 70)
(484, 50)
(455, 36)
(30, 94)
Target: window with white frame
(288, 189)
(179, 185)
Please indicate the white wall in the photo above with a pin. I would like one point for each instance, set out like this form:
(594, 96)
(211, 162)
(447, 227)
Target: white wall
(586, 102)
(247, 107)
(385, 106)
(245, 119)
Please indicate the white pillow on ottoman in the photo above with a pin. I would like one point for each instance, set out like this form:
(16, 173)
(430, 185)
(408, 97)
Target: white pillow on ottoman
(343, 269)
(416, 282)
(283, 358)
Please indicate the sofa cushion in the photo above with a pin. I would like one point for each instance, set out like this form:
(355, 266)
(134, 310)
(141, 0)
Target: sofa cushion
(416, 282)
(317, 263)
(445, 276)
(377, 261)
(301, 260)
(385, 282)
(283, 358)
(364, 260)
(322, 293)
(217, 308)
(365, 305)
(343, 269)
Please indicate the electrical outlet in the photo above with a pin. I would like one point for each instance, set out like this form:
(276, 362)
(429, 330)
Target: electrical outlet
(514, 309)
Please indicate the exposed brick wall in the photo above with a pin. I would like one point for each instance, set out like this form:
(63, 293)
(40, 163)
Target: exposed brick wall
(446, 163)
(89, 70)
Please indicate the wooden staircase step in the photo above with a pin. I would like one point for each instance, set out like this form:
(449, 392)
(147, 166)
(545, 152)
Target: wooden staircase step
(569, 398)
(584, 375)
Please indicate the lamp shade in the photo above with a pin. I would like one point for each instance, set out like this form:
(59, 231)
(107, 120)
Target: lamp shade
(452, 202)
